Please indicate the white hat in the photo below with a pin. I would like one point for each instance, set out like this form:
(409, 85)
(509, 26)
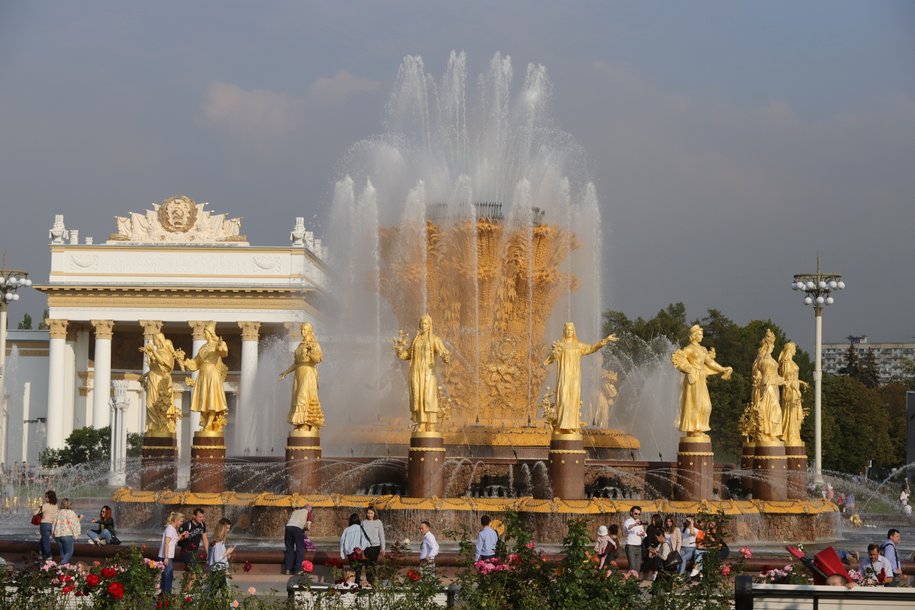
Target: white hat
(602, 530)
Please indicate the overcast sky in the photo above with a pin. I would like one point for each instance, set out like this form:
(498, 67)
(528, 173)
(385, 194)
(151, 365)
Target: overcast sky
(730, 142)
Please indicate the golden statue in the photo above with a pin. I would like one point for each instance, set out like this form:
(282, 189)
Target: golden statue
(305, 410)
(424, 409)
(765, 404)
(793, 411)
(209, 397)
(567, 353)
(161, 413)
(696, 363)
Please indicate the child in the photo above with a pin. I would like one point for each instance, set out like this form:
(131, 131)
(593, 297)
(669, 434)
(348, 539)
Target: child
(602, 546)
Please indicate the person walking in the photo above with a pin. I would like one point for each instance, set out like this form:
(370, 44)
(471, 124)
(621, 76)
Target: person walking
(353, 543)
(487, 540)
(194, 546)
(48, 512)
(66, 530)
(218, 557)
(170, 538)
(890, 550)
(634, 531)
(374, 531)
(294, 539)
(428, 550)
(104, 528)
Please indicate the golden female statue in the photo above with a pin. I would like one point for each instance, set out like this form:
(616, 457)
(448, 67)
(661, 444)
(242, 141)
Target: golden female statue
(696, 364)
(765, 403)
(305, 410)
(209, 397)
(424, 409)
(567, 353)
(792, 408)
(161, 413)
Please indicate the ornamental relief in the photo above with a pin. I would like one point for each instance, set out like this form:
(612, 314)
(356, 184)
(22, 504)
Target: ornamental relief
(178, 219)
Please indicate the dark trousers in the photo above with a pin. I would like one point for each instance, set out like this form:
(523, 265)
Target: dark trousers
(295, 549)
(45, 544)
(371, 559)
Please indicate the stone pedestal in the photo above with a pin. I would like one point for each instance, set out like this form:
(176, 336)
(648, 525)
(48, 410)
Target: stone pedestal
(424, 465)
(796, 458)
(159, 463)
(208, 462)
(695, 468)
(746, 464)
(303, 461)
(567, 466)
(770, 469)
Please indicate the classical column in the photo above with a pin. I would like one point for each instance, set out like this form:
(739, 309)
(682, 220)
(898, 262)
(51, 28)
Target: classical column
(56, 364)
(101, 388)
(150, 329)
(70, 379)
(244, 410)
(117, 472)
(197, 327)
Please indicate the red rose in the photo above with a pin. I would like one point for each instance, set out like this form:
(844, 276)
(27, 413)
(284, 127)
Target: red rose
(307, 566)
(201, 556)
(413, 575)
(247, 567)
(116, 590)
(68, 588)
(92, 580)
(187, 599)
(109, 572)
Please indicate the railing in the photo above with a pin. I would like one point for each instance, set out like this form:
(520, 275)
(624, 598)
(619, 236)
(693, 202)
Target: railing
(750, 596)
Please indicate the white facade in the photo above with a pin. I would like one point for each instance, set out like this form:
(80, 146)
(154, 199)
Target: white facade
(169, 269)
(891, 357)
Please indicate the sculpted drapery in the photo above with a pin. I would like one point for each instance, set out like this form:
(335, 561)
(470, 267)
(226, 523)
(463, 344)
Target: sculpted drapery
(792, 408)
(424, 407)
(161, 412)
(305, 409)
(765, 402)
(209, 396)
(696, 364)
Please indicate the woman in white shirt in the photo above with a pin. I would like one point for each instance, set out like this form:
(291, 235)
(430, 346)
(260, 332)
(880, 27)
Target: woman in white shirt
(688, 543)
(170, 539)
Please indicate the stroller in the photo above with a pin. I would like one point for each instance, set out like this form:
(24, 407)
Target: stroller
(824, 564)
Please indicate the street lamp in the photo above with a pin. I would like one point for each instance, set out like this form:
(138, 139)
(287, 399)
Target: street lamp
(818, 288)
(11, 280)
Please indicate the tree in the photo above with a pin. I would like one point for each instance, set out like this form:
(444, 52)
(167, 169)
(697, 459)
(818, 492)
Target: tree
(26, 323)
(43, 325)
(869, 372)
(852, 366)
(84, 445)
(894, 400)
(855, 426)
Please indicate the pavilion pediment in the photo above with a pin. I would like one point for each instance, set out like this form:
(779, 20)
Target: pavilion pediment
(178, 220)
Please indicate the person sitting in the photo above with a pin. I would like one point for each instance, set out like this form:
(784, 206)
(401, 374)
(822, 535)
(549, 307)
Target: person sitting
(104, 529)
(875, 568)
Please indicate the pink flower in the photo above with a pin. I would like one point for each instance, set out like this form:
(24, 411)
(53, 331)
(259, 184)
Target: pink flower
(235, 603)
(725, 570)
(307, 566)
(746, 552)
(251, 590)
(530, 545)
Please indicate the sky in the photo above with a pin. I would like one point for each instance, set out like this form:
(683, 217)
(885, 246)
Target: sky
(730, 143)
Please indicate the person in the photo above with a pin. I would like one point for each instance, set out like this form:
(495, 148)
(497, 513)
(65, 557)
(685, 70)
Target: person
(672, 534)
(567, 353)
(602, 545)
(688, 543)
(889, 549)
(374, 531)
(428, 550)
(660, 553)
(348, 582)
(170, 538)
(766, 381)
(696, 364)
(305, 411)
(634, 531)
(104, 529)
(294, 539)
(650, 545)
(353, 542)
(209, 396)
(48, 512)
(424, 408)
(66, 530)
(218, 558)
(487, 540)
(840, 501)
(195, 546)
(875, 568)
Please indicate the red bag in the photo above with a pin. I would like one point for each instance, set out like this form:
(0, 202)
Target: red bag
(36, 519)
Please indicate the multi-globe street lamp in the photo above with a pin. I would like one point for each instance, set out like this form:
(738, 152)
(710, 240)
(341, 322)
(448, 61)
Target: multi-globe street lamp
(818, 288)
(11, 280)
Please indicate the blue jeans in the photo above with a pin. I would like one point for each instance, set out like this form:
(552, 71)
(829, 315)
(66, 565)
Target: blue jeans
(295, 549)
(687, 553)
(103, 535)
(168, 575)
(66, 548)
(698, 564)
(44, 544)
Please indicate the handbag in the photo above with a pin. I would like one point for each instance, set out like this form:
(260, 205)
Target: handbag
(673, 561)
(36, 518)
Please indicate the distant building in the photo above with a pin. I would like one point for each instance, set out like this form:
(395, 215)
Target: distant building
(890, 357)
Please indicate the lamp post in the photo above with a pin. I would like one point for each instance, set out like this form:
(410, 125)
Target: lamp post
(11, 280)
(818, 288)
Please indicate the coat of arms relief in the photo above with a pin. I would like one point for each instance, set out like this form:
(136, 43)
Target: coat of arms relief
(178, 219)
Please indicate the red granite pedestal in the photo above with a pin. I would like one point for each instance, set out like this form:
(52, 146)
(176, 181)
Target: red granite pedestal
(567, 466)
(695, 468)
(303, 462)
(425, 463)
(208, 462)
(796, 458)
(746, 464)
(771, 471)
(158, 463)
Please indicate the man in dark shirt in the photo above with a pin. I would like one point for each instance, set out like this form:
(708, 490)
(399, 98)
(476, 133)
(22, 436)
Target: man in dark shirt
(195, 546)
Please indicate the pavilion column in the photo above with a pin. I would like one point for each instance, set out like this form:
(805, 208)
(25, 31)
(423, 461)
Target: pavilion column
(244, 411)
(150, 329)
(197, 328)
(56, 366)
(101, 388)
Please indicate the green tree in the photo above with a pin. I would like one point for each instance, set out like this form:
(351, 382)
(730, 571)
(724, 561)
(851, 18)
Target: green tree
(43, 325)
(26, 323)
(84, 445)
(855, 426)
(852, 367)
(894, 400)
(641, 340)
(869, 372)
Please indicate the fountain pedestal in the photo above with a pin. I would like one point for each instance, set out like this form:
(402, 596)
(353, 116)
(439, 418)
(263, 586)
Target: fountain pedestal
(746, 464)
(208, 462)
(424, 465)
(303, 461)
(567, 466)
(695, 468)
(796, 457)
(771, 471)
(158, 460)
